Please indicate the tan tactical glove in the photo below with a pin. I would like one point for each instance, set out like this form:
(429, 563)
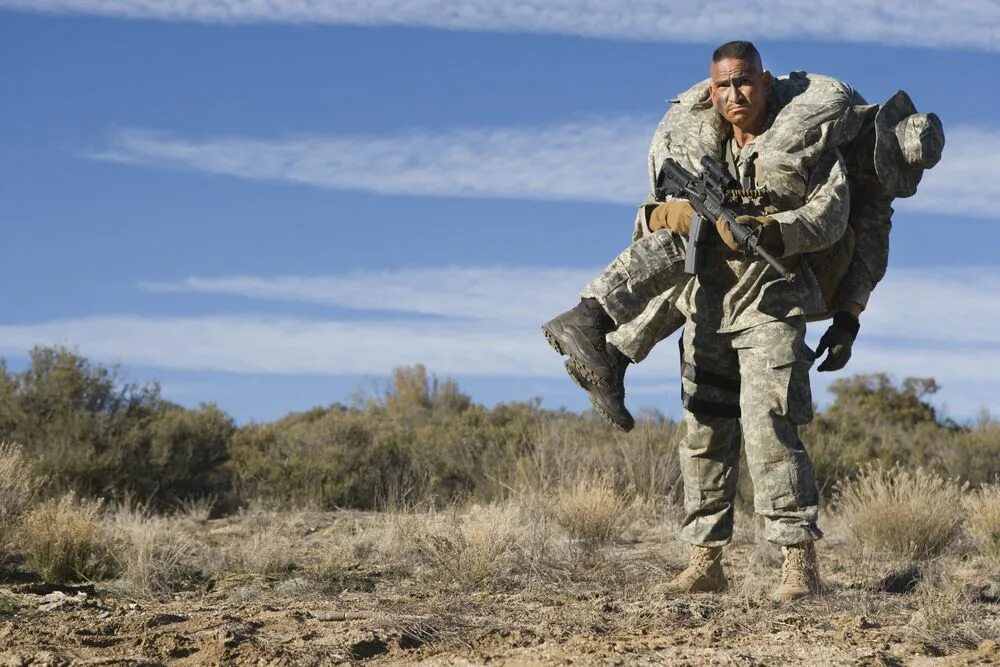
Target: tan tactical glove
(770, 234)
(672, 215)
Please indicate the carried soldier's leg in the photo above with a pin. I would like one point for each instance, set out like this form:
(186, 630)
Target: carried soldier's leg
(709, 456)
(649, 267)
(775, 400)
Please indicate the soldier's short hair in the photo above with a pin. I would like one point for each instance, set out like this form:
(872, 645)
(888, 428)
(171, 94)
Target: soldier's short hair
(740, 50)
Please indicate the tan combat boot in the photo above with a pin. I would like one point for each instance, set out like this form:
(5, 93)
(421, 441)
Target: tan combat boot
(799, 573)
(703, 574)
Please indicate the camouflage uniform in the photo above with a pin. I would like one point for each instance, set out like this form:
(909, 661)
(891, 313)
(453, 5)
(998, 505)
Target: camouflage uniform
(745, 364)
(640, 288)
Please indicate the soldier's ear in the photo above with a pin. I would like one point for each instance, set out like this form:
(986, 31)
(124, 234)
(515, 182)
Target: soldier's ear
(768, 80)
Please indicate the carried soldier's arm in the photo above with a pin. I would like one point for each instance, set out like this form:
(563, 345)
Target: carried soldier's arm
(821, 221)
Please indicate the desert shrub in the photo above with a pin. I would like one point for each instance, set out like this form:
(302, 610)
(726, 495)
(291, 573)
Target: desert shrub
(872, 420)
(912, 514)
(432, 444)
(590, 510)
(90, 432)
(983, 520)
(153, 556)
(63, 541)
(473, 549)
(265, 553)
(947, 618)
(18, 487)
(974, 454)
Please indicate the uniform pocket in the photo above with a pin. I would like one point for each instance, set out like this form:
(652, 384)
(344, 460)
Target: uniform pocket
(791, 364)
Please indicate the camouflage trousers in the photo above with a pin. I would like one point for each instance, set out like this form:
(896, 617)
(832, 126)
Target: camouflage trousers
(634, 291)
(755, 384)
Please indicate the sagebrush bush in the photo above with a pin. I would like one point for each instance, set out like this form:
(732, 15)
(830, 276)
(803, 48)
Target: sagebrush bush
(473, 549)
(983, 520)
(18, 488)
(267, 553)
(591, 510)
(87, 430)
(911, 514)
(153, 555)
(63, 541)
(947, 618)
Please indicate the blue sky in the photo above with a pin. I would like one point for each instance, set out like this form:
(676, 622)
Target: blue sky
(270, 205)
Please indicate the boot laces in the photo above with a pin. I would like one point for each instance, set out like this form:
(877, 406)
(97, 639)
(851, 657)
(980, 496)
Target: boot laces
(797, 568)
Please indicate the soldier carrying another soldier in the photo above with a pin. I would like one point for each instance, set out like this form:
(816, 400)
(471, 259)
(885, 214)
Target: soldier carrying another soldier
(744, 360)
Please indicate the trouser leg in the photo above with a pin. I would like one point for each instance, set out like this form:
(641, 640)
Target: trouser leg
(709, 452)
(709, 455)
(637, 338)
(646, 269)
(775, 400)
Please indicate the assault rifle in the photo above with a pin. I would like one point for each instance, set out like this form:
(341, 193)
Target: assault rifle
(707, 194)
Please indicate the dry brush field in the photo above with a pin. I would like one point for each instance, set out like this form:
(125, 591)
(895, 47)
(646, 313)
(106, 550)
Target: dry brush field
(571, 576)
(415, 526)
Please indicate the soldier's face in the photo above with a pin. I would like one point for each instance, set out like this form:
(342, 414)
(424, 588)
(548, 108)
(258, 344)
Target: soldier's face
(739, 91)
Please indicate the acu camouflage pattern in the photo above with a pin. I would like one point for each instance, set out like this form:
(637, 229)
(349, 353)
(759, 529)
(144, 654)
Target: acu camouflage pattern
(742, 379)
(758, 381)
(814, 113)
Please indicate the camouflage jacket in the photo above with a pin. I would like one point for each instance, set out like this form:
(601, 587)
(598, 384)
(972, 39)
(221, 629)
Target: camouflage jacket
(797, 161)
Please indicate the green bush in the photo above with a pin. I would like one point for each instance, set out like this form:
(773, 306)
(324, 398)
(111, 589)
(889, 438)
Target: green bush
(90, 432)
(86, 430)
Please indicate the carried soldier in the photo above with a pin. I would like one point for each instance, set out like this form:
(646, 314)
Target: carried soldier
(813, 169)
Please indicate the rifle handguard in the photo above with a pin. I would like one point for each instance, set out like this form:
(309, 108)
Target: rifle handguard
(749, 237)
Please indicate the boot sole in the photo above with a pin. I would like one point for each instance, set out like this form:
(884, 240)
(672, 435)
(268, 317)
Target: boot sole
(581, 367)
(582, 383)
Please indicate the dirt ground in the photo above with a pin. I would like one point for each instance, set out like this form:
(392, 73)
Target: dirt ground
(581, 606)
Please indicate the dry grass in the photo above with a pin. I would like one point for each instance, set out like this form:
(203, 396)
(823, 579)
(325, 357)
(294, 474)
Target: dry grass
(18, 489)
(473, 549)
(63, 541)
(983, 520)
(154, 556)
(947, 618)
(198, 510)
(900, 512)
(591, 510)
(264, 553)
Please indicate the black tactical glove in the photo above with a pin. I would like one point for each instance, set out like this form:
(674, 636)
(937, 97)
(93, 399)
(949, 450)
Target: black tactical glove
(838, 339)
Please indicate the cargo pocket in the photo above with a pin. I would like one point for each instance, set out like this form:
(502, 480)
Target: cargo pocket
(791, 365)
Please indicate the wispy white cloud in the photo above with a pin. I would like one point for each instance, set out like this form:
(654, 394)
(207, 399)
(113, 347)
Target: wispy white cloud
(939, 304)
(969, 24)
(600, 159)
(933, 305)
(963, 183)
(485, 322)
(268, 344)
(497, 294)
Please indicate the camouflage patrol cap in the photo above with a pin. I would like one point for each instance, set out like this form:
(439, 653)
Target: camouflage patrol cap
(906, 143)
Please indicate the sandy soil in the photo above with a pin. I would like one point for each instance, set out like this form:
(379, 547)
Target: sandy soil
(595, 608)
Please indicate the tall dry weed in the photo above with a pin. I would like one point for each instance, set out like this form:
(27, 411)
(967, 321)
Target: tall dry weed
(591, 510)
(18, 488)
(910, 514)
(63, 541)
(154, 556)
(982, 519)
(473, 549)
(265, 553)
(947, 618)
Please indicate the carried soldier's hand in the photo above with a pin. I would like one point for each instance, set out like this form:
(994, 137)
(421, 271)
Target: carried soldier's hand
(837, 342)
(673, 215)
(770, 233)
